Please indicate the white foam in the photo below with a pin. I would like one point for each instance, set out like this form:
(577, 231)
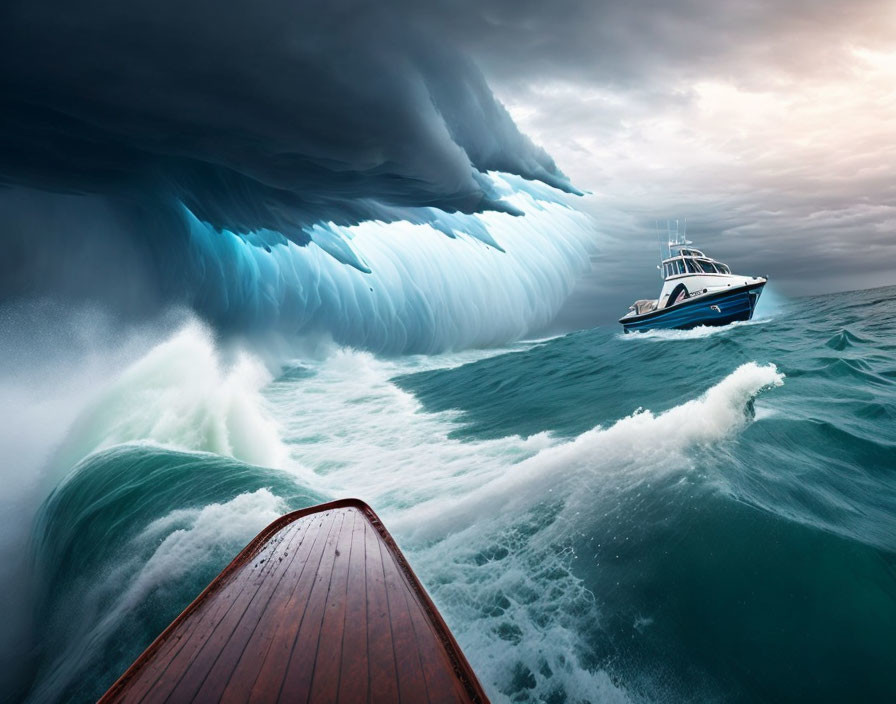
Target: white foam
(181, 394)
(55, 359)
(698, 333)
(187, 537)
(366, 437)
(630, 451)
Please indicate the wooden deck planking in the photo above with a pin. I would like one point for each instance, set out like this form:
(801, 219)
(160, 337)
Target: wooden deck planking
(182, 642)
(182, 680)
(269, 682)
(326, 668)
(221, 673)
(382, 676)
(300, 669)
(354, 670)
(320, 607)
(411, 681)
(441, 682)
(272, 623)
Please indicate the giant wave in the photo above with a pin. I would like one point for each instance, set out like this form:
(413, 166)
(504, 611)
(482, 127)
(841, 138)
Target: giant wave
(448, 282)
(425, 281)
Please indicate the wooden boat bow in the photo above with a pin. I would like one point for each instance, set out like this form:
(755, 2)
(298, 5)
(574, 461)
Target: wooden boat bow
(320, 606)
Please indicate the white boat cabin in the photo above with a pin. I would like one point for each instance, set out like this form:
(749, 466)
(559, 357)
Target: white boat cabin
(699, 273)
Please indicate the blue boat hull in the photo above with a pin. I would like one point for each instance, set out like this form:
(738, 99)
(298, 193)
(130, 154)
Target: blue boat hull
(720, 308)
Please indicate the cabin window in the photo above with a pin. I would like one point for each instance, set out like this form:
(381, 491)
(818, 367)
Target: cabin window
(689, 263)
(707, 267)
(723, 269)
(679, 266)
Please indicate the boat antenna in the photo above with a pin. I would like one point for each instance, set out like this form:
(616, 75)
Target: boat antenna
(659, 241)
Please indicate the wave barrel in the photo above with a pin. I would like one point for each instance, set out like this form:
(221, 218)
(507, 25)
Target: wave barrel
(320, 606)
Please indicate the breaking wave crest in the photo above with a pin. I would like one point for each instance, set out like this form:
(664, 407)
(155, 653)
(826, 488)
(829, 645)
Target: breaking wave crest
(182, 394)
(632, 450)
(451, 282)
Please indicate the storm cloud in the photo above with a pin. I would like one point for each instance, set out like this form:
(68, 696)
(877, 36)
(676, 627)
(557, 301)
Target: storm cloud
(254, 115)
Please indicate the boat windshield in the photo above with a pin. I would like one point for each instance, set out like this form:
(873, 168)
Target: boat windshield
(673, 268)
(712, 267)
(688, 265)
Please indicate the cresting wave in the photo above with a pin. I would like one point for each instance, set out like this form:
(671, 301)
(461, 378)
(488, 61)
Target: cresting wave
(421, 281)
(451, 282)
(167, 513)
(183, 395)
(631, 451)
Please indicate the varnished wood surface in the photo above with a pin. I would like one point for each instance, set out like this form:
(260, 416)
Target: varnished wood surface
(320, 607)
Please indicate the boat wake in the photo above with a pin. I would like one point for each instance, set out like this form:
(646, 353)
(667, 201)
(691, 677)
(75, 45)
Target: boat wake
(697, 333)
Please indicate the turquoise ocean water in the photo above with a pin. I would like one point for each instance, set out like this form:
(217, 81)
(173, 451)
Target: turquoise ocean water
(706, 515)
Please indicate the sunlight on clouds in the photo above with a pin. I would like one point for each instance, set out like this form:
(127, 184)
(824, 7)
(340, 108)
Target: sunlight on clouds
(716, 134)
(813, 156)
(879, 61)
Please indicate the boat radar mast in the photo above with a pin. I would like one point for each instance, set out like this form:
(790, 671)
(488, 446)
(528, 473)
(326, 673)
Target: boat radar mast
(677, 238)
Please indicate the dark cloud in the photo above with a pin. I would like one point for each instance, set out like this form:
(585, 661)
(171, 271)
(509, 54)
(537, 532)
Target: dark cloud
(264, 114)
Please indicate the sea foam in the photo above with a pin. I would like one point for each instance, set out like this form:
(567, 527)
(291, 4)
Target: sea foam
(183, 394)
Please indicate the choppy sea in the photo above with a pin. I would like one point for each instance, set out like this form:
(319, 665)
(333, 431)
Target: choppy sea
(705, 515)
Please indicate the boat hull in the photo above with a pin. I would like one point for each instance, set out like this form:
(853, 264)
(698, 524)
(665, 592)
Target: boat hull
(719, 308)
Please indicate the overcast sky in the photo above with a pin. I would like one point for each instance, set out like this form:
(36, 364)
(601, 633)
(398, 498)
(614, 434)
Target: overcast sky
(770, 126)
